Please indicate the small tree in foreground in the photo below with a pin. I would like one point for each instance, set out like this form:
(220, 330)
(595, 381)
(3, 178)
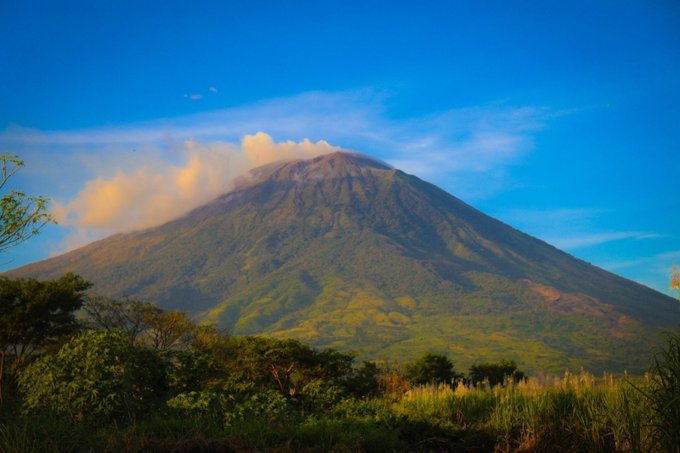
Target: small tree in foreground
(96, 375)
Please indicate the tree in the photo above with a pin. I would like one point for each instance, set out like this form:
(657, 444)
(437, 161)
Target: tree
(21, 215)
(495, 373)
(128, 315)
(144, 323)
(364, 381)
(430, 369)
(33, 315)
(287, 365)
(169, 330)
(97, 374)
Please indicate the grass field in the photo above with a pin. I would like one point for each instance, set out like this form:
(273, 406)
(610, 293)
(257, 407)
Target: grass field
(576, 412)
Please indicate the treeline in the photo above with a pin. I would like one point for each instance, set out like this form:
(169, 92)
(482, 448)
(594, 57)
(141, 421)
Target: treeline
(54, 335)
(82, 372)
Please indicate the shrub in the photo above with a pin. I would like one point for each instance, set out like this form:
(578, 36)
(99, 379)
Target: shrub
(495, 373)
(97, 374)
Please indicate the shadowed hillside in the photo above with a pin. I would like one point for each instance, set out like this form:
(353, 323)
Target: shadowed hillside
(342, 251)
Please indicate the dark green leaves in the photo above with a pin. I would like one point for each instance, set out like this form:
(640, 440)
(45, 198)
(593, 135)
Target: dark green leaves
(430, 369)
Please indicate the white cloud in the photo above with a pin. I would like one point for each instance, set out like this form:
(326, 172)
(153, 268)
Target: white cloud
(212, 90)
(156, 190)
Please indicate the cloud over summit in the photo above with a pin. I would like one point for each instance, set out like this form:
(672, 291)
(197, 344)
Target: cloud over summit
(159, 190)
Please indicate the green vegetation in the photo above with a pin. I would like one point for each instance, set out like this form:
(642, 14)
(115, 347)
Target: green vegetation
(664, 394)
(34, 316)
(430, 369)
(136, 378)
(495, 373)
(21, 215)
(97, 375)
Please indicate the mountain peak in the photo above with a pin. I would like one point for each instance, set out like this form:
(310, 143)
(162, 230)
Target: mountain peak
(326, 166)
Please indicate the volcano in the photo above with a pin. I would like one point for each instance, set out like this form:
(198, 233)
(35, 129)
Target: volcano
(346, 252)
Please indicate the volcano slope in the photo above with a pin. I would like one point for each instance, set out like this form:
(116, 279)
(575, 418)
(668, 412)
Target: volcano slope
(343, 251)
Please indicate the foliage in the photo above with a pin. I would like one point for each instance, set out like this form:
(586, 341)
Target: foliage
(127, 314)
(103, 392)
(34, 315)
(392, 382)
(287, 365)
(168, 330)
(573, 413)
(226, 410)
(365, 380)
(430, 369)
(96, 375)
(143, 322)
(191, 370)
(495, 373)
(229, 401)
(21, 215)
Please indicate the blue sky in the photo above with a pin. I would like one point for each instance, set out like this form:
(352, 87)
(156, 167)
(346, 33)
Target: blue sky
(559, 118)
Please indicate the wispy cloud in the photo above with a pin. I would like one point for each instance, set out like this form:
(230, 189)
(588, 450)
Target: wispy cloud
(459, 140)
(661, 260)
(569, 228)
(466, 140)
(546, 220)
(194, 97)
(587, 240)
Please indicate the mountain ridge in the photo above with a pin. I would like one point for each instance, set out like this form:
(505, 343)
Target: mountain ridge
(344, 251)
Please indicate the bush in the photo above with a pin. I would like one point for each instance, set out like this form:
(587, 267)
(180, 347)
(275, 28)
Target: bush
(495, 373)
(96, 375)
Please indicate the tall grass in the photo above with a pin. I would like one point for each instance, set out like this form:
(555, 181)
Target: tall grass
(665, 394)
(576, 412)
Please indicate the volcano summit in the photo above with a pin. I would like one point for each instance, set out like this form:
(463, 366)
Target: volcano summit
(343, 251)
